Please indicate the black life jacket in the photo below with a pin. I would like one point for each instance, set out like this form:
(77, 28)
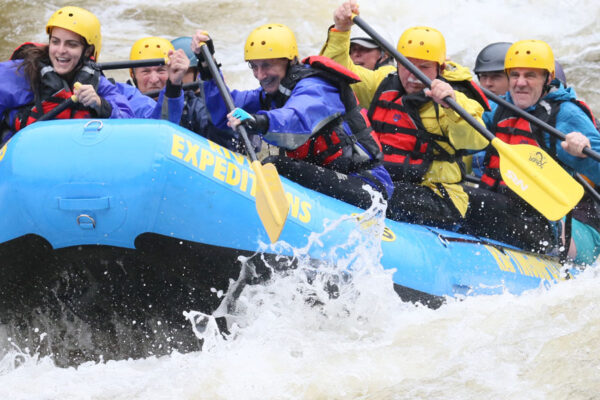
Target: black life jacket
(52, 91)
(408, 148)
(332, 145)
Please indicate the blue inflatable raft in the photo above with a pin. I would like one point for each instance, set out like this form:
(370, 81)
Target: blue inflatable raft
(107, 183)
(152, 211)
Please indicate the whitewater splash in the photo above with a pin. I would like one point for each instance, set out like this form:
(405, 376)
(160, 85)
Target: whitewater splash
(309, 333)
(340, 280)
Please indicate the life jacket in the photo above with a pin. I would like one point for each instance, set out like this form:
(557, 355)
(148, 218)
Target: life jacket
(408, 148)
(512, 129)
(332, 145)
(53, 90)
(18, 52)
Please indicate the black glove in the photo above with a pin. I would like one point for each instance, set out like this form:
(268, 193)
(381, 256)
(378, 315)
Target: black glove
(203, 69)
(259, 123)
(104, 110)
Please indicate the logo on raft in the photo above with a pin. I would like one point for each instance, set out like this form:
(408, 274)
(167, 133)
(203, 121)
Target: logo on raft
(387, 236)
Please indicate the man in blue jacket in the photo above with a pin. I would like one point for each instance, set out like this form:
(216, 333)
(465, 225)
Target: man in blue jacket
(530, 67)
(309, 111)
(167, 79)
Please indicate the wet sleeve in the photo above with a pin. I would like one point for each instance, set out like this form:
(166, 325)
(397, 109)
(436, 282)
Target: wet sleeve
(312, 105)
(120, 105)
(249, 100)
(460, 133)
(15, 90)
(337, 47)
(169, 108)
(571, 118)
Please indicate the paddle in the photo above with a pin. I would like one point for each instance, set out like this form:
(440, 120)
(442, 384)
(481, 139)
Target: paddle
(553, 131)
(271, 203)
(184, 87)
(548, 128)
(527, 170)
(151, 62)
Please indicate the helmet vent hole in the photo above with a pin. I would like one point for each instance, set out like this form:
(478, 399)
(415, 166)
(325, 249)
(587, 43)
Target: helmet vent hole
(70, 14)
(410, 42)
(422, 43)
(528, 52)
(252, 44)
(263, 42)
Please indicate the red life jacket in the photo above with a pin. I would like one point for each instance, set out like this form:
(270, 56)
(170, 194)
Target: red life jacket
(332, 145)
(18, 52)
(53, 90)
(408, 148)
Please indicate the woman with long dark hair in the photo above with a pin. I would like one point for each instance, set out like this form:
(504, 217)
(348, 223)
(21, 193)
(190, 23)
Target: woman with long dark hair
(40, 77)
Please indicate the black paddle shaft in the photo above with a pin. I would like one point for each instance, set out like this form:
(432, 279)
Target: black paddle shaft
(214, 71)
(422, 77)
(546, 127)
(151, 62)
(57, 110)
(186, 86)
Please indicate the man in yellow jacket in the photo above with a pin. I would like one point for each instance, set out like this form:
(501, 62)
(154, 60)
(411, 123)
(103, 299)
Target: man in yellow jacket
(421, 138)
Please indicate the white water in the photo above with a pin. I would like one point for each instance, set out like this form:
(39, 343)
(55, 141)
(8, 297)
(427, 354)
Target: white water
(365, 344)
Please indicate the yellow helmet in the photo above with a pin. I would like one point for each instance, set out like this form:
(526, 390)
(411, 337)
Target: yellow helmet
(148, 48)
(80, 21)
(424, 43)
(271, 41)
(530, 54)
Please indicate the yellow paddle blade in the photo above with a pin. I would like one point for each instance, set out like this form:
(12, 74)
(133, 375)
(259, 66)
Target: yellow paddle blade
(271, 203)
(538, 179)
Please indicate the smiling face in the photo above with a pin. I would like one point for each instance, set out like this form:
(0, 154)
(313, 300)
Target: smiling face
(269, 72)
(65, 50)
(410, 82)
(526, 85)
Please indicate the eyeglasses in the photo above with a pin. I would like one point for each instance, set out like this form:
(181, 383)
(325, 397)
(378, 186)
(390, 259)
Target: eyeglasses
(265, 66)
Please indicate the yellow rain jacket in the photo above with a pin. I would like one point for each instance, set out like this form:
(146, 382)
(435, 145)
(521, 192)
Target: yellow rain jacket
(460, 134)
(337, 48)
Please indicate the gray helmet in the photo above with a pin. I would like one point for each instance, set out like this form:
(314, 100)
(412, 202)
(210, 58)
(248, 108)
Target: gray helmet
(559, 73)
(366, 42)
(491, 58)
(185, 43)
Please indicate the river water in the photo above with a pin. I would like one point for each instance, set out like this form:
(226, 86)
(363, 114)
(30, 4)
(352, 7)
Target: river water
(366, 344)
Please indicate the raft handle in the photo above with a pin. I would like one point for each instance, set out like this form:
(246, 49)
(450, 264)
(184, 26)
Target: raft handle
(89, 224)
(87, 127)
